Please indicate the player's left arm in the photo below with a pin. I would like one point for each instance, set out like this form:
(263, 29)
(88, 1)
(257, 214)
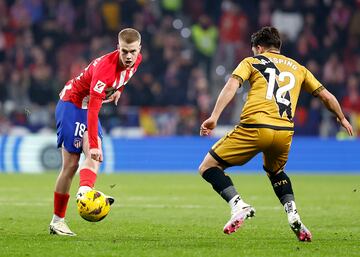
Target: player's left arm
(114, 97)
(332, 104)
(225, 96)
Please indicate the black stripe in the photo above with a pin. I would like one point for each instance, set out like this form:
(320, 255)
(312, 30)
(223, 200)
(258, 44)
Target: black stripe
(245, 125)
(317, 91)
(261, 67)
(218, 159)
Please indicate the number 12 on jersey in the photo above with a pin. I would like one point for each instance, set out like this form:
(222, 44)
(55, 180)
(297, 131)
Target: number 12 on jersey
(280, 92)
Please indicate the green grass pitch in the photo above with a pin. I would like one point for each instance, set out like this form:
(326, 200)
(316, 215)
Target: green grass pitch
(180, 215)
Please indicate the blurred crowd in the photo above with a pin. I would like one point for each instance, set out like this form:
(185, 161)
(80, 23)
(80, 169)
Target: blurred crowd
(189, 49)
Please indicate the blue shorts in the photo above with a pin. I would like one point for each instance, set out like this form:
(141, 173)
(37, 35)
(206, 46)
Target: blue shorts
(71, 124)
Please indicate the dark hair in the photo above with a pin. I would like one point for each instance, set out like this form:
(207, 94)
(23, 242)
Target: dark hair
(267, 37)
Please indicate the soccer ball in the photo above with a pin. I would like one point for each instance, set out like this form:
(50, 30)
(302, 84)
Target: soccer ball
(93, 206)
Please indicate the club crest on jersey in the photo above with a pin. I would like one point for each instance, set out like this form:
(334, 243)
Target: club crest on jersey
(78, 143)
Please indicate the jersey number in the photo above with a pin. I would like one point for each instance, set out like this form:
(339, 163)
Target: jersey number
(280, 93)
(80, 129)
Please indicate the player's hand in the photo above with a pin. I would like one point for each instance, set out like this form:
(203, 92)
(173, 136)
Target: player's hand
(113, 98)
(207, 126)
(96, 154)
(344, 122)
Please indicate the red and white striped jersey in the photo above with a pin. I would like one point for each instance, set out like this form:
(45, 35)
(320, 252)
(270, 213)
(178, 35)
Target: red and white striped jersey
(101, 78)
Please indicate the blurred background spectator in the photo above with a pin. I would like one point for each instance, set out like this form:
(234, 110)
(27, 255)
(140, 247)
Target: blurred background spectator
(189, 49)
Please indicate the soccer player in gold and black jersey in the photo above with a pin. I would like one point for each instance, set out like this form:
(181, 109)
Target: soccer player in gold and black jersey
(266, 125)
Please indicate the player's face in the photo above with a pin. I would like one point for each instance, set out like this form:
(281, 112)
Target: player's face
(128, 52)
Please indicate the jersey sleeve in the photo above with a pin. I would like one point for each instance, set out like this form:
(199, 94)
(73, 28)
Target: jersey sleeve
(94, 106)
(311, 84)
(97, 95)
(243, 70)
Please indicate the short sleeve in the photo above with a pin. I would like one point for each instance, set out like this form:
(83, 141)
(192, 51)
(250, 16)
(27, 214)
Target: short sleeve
(243, 70)
(310, 84)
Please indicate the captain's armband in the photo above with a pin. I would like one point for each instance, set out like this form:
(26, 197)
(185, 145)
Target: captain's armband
(234, 76)
(318, 90)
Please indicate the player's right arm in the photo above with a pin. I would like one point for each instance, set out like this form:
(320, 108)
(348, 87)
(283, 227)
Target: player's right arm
(312, 85)
(94, 106)
(332, 104)
(97, 95)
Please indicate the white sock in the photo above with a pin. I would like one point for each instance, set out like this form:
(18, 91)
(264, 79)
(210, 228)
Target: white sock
(56, 219)
(290, 207)
(237, 203)
(84, 189)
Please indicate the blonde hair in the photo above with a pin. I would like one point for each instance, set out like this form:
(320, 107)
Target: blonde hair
(129, 35)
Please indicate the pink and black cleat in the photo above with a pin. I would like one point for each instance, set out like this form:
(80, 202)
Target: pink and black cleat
(301, 232)
(238, 218)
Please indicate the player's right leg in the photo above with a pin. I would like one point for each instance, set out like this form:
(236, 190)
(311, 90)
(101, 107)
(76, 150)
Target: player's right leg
(61, 195)
(275, 158)
(70, 129)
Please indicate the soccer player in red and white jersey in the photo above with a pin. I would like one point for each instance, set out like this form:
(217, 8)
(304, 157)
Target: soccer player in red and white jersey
(78, 126)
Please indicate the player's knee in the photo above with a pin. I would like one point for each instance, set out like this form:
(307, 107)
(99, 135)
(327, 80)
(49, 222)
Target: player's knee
(202, 168)
(70, 169)
(73, 166)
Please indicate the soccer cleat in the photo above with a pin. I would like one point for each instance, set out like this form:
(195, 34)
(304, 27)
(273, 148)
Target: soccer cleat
(60, 228)
(82, 191)
(301, 232)
(110, 199)
(237, 219)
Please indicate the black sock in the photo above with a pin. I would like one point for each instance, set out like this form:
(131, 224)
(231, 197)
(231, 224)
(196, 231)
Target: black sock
(220, 182)
(282, 187)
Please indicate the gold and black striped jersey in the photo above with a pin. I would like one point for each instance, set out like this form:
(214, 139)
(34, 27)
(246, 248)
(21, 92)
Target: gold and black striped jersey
(275, 84)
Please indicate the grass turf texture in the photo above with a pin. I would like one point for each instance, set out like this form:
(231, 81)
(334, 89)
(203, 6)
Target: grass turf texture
(180, 215)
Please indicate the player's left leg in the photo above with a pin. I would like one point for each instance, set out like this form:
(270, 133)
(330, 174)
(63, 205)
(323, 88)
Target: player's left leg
(236, 148)
(275, 159)
(89, 169)
(213, 172)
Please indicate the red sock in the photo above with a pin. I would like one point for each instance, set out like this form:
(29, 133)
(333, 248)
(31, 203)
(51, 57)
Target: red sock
(60, 204)
(87, 178)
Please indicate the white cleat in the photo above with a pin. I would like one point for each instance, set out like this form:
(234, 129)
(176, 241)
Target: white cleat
(238, 218)
(299, 229)
(81, 193)
(60, 228)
